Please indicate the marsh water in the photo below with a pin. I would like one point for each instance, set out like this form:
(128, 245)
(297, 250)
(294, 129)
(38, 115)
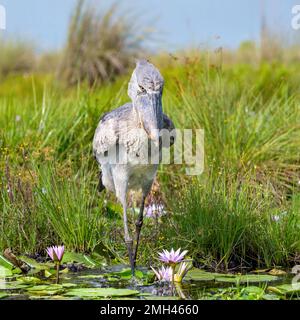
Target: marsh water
(116, 283)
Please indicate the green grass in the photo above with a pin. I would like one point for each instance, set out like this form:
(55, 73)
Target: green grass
(225, 218)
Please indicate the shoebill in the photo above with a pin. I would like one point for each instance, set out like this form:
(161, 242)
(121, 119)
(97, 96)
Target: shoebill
(128, 145)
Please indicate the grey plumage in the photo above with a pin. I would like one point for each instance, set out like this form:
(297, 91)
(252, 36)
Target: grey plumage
(127, 137)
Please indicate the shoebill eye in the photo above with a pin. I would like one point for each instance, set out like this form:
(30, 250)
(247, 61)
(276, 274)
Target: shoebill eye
(142, 89)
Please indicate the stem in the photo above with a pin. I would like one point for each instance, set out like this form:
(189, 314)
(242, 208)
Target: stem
(173, 274)
(173, 278)
(57, 273)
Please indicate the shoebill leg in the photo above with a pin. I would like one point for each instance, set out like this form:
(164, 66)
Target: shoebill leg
(128, 239)
(139, 223)
(121, 186)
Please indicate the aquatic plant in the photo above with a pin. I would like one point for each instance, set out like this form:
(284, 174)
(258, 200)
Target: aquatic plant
(181, 272)
(56, 253)
(163, 274)
(172, 257)
(155, 211)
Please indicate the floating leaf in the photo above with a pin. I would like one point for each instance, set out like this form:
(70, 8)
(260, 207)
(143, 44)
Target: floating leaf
(270, 297)
(13, 285)
(261, 270)
(100, 292)
(5, 263)
(69, 285)
(248, 278)
(127, 274)
(161, 298)
(30, 280)
(71, 257)
(200, 275)
(91, 276)
(286, 289)
(36, 265)
(4, 272)
(253, 290)
(277, 272)
(44, 290)
(3, 295)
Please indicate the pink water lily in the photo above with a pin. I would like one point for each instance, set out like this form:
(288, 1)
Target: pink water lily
(56, 253)
(172, 257)
(163, 274)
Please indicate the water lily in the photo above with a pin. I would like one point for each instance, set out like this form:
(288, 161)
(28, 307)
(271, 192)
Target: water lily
(172, 257)
(56, 253)
(154, 211)
(163, 274)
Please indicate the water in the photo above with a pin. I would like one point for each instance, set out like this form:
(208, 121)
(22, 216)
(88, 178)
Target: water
(37, 286)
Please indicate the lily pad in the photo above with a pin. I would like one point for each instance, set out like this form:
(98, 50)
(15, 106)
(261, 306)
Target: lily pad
(30, 280)
(13, 285)
(253, 290)
(248, 278)
(4, 272)
(277, 272)
(36, 265)
(100, 292)
(200, 275)
(161, 298)
(71, 257)
(268, 296)
(126, 274)
(92, 276)
(5, 263)
(46, 290)
(3, 295)
(286, 289)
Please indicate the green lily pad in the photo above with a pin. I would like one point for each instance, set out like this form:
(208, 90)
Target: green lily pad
(268, 296)
(4, 272)
(249, 278)
(3, 295)
(30, 280)
(69, 285)
(36, 265)
(126, 274)
(92, 276)
(277, 272)
(46, 290)
(100, 292)
(161, 298)
(5, 263)
(13, 285)
(71, 257)
(200, 275)
(286, 289)
(254, 290)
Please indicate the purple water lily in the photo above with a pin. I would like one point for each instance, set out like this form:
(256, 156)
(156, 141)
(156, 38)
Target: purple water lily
(56, 253)
(163, 274)
(172, 257)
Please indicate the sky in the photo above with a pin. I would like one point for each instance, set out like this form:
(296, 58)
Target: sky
(177, 23)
